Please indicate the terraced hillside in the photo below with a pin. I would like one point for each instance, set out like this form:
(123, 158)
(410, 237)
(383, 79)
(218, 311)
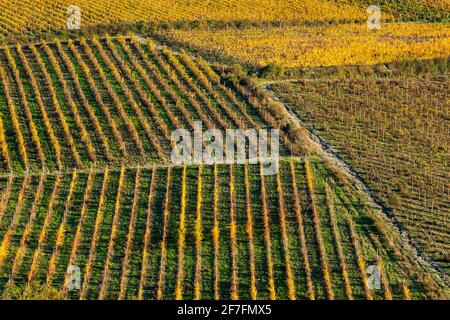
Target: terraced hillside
(83, 103)
(395, 134)
(203, 232)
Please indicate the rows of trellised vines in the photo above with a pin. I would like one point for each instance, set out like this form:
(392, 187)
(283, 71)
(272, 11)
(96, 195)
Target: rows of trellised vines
(58, 232)
(394, 134)
(316, 46)
(109, 101)
(31, 18)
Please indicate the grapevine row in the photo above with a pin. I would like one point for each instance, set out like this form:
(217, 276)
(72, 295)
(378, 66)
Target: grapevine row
(233, 237)
(338, 241)
(81, 223)
(73, 108)
(147, 127)
(116, 100)
(6, 241)
(12, 110)
(301, 232)
(20, 253)
(250, 234)
(98, 98)
(45, 116)
(37, 255)
(181, 238)
(175, 80)
(282, 213)
(198, 237)
(61, 231)
(84, 101)
(96, 236)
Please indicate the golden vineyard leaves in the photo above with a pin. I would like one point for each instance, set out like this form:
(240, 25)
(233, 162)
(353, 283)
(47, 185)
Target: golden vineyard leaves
(310, 46)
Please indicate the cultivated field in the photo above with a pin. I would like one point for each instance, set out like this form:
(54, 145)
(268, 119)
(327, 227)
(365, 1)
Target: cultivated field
(315, 46)
(83, 103)
(28, 18)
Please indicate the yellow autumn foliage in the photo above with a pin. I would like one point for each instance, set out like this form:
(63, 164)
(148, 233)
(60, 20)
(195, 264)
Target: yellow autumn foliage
(198, 236)
(60, 236)
(311, 46)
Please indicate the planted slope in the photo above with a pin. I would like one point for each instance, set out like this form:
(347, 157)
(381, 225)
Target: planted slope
(202, 232)
(107, 101)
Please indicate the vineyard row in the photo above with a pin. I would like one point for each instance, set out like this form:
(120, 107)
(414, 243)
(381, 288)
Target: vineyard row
(204, 232)
(107, 101)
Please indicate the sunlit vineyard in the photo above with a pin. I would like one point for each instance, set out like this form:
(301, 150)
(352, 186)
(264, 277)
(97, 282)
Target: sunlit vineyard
(46, 15)
(31, 18)
(166, 233)
(109, 101)
(347, 99)
(312, 46)
(395, 133)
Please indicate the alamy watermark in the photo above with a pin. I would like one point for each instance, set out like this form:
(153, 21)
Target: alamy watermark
(235, 146)
(374, 19)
